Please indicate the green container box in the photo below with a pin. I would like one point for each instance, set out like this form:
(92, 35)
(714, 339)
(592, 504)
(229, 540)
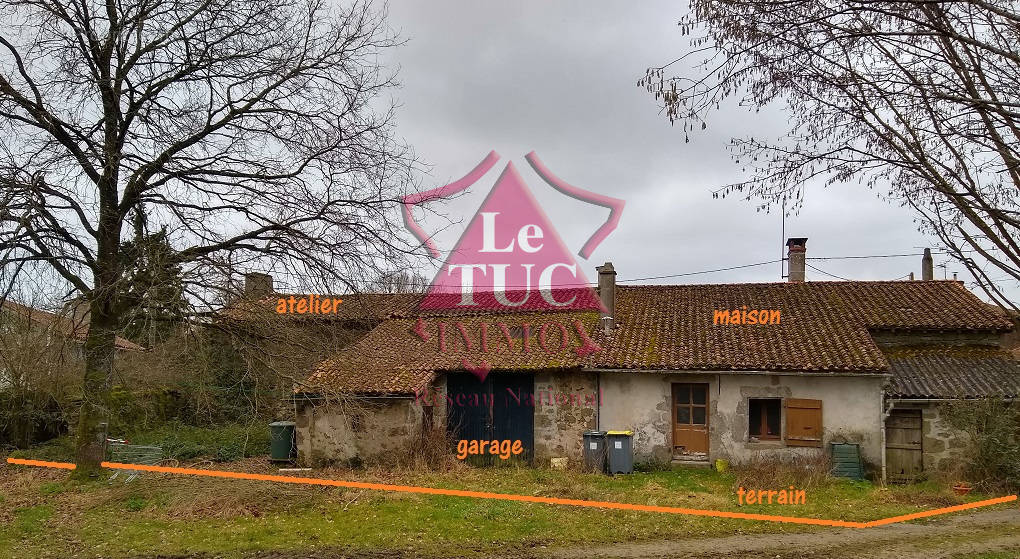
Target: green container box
(281, 441)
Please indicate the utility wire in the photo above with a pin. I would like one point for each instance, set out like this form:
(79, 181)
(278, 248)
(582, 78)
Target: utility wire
(878, 255)
(702, 271)
(827, 273)
(726, 269)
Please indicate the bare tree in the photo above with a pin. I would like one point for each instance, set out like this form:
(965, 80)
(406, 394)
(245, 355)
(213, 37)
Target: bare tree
(398, 282)
(38, 356)
(919, 99)
(250, 134)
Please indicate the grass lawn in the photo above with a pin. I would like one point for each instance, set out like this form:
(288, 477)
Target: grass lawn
(43, 514)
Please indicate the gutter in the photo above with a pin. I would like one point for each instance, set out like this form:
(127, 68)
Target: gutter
(821, 374)
(936, 400)
(316, 397)
(885, 415)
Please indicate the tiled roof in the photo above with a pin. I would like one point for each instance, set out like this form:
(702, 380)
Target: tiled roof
(76, 329)
(392, 358)
(380, 306)
(824, 327)
(361, 306)
(961, 372)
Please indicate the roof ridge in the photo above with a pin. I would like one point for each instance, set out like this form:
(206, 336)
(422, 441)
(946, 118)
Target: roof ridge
(789, 283)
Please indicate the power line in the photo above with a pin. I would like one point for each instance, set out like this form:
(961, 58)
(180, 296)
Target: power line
(702, 271)
(878, 255)
(726, 269)
(827, 273)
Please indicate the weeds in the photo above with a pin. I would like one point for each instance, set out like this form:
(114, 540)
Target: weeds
(135, 503)
(432, 452)
(30, 520)
(992, 426)
(769, 471)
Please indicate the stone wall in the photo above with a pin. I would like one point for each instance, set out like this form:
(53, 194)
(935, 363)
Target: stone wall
(944, 449)
(379, 430)
(370, 430)
(851, 411)
(565, 407)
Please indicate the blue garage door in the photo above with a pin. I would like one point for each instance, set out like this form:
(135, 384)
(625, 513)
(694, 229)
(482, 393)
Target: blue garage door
(501, 408)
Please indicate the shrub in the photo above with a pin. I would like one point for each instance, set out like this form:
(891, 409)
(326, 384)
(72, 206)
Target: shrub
(767, 471)
(432, 450)
(992, 426)
(222, 444)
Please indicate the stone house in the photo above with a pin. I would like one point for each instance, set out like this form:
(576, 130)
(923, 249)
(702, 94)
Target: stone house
(839, 362)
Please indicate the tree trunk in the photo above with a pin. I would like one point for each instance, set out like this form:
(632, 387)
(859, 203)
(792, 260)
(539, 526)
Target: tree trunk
(90, 442)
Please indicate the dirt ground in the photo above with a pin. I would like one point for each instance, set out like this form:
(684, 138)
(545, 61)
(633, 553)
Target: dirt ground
(955, 536)
(952, 536)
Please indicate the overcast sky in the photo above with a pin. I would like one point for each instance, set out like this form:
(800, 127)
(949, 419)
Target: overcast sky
(560, 78)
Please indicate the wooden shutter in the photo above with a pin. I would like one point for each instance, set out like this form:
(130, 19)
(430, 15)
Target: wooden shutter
(803, 422)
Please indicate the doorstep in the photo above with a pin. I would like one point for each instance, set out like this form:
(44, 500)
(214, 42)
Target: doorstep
(692, 461)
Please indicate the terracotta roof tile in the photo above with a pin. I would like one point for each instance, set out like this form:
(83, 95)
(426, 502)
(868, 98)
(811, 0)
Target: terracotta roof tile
(361, 306)
(823, 327)
(393, 358)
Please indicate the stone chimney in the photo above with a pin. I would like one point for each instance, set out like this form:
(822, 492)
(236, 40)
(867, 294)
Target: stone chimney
(257, 285)
(927, 267)
(607, 294)
(795, 258)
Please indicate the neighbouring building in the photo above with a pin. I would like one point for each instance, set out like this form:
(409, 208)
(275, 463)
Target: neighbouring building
(280, 336)
(16, 318)
(41, 355)
(835, 362)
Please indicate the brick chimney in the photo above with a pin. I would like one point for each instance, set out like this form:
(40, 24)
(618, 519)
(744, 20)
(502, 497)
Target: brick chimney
(607, 294)
(257, 285)
(795, 258)
(927, 266)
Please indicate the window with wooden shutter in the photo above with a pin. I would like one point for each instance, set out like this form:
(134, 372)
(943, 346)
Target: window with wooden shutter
(803, 422)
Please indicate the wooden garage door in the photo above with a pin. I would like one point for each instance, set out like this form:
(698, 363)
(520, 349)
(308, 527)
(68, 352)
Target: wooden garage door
(903, 452)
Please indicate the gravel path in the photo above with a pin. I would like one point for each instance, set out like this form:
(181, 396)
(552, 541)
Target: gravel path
(959, 534)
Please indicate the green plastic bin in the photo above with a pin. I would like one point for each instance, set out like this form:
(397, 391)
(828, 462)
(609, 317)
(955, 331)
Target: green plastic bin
(281, 441)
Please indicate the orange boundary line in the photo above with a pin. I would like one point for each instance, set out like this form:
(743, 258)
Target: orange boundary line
(522, 498)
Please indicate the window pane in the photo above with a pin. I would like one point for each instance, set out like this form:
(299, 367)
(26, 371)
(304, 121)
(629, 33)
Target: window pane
(699, 416)
(683, 394)
(700, 392)
(773, 417)
(754, 418)
(683, 415)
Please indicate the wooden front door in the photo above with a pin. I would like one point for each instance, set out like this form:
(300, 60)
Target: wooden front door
(903, 453)
(690, 420)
